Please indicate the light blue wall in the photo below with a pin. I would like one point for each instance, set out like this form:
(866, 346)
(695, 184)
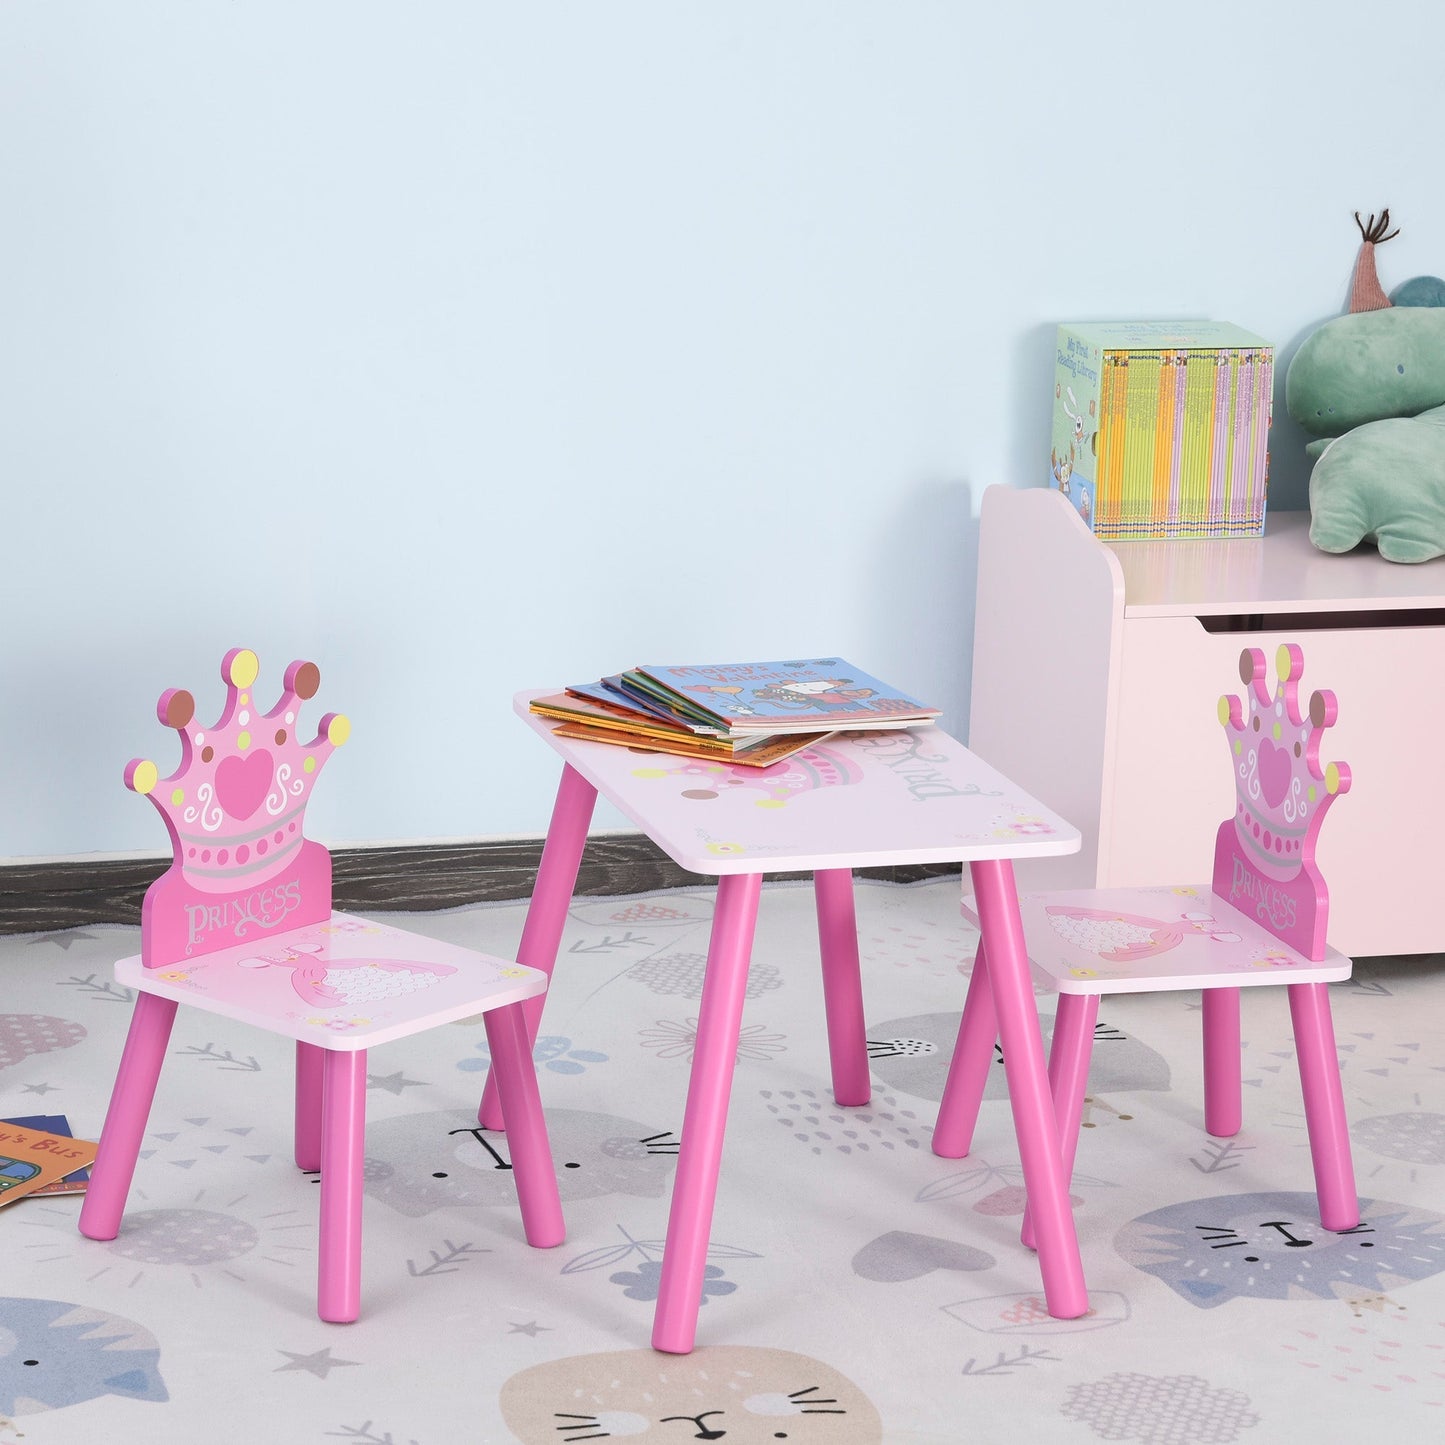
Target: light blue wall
(469, 346)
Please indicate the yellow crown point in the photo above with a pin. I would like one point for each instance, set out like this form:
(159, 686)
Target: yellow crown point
(245, 668)
(144, 776)
(338, 730)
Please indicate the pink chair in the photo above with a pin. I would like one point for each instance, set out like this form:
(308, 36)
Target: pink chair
(241, 925)
(1262, 922)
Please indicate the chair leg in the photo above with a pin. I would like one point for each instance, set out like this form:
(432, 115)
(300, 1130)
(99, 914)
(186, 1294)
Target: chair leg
(842, 985)
(125, 1120)
(694, 1190)
(1069, 1054)
(547, 912)
(1324, 1098)
(1223, 1104)
(968, 1073)
(532, 1167)
(309, 1070)
(343, 1152)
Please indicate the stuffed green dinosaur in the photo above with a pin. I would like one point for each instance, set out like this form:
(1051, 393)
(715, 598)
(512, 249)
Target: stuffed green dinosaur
(1370, 387)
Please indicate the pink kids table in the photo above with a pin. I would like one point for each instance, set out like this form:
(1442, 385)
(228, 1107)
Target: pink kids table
(863, 800)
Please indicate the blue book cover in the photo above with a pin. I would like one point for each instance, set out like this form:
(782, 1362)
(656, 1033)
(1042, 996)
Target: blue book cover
(776, 696)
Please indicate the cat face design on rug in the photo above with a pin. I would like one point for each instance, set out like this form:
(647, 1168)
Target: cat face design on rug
(736, 1393)
(420, 1162)
(1271, 1246)
(53, 1354)
(913, 1054)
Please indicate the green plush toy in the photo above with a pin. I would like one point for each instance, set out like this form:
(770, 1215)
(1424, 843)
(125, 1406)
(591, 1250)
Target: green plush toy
(1370, 387)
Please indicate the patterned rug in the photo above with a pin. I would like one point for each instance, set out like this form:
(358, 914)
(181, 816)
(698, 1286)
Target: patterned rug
(859, 1289)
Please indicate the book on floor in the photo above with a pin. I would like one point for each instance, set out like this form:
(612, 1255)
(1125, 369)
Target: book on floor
(32, 1159)
(55, 1124)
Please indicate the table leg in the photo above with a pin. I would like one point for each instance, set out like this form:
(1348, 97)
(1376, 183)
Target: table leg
(694, 1190)
(1029, 1097)
(968, 1073)
(547, 912)
(1069, 1055)
(842, 985)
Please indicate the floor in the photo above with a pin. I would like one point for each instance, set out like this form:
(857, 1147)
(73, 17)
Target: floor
(860, 1289)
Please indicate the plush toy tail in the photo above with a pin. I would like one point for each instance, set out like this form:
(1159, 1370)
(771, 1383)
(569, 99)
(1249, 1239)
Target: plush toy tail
(1366, 293)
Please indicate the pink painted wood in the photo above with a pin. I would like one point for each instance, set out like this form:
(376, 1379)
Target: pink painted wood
(547, 912)
(1045, 1176)
(241, 925)
(310, 1067)
(842, 985)
(684, 1259)
(894, 797)
(1262, 923)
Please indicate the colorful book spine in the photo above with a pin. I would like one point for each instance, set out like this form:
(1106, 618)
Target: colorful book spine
(1163, 428)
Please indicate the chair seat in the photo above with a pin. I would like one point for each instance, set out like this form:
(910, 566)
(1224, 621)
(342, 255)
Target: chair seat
(344, 985)
(1148, 940)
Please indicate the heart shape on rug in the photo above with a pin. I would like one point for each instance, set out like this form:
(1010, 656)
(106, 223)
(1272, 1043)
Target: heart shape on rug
(241, 782)
(1274, 771)
(898, 1256)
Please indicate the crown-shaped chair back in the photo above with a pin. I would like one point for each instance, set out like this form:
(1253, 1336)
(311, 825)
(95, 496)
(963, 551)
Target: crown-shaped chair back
(1264, 856)
(235, 808)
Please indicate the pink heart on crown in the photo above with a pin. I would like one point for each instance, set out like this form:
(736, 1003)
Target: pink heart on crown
(241, 782)
(1274, 772)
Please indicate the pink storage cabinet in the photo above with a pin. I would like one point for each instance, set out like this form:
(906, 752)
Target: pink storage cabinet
(1096, 667)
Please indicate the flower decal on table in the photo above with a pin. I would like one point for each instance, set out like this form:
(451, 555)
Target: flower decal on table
(551, 1052)
(1276, 958)
(1021, 825)
(337, 1026)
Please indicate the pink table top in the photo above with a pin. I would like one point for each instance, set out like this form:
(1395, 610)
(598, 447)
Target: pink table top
(856, 800)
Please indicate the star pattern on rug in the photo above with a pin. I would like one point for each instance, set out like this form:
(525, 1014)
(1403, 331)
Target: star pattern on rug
(531, 1328)
(64, 940)
(320, 1363)
(392, 1083)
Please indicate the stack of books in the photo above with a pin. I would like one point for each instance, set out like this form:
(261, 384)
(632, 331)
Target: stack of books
(1161, 428)
(749, 713)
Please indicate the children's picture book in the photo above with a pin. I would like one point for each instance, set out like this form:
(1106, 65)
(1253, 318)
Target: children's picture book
(579, 705)
(774, 697)
(604, 722)
(1161, 428)
(763, 754)
(32, 1158)
(54, 1124)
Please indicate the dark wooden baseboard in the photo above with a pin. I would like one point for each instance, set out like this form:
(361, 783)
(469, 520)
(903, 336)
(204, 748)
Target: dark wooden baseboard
(46, 897)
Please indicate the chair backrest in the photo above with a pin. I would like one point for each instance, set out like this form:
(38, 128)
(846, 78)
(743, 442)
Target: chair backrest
(1264, 856)
(242, 868)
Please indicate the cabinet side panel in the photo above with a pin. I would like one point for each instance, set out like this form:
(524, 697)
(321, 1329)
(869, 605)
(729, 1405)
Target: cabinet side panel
(1049, 608)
